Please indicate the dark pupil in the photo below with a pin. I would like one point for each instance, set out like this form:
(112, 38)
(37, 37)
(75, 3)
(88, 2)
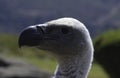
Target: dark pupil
(64, 30)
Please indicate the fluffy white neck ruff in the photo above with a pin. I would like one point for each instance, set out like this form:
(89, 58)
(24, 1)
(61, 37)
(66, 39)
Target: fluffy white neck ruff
(74, 66)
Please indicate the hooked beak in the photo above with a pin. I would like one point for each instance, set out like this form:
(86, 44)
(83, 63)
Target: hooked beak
(31, 36)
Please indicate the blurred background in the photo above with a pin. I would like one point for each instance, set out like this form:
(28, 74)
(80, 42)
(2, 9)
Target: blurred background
(101, 17)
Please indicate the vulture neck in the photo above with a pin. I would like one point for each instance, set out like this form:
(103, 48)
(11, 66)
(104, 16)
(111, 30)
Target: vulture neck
(74, 66)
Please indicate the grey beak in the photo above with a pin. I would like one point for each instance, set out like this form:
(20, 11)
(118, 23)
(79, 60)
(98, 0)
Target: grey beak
(31, 36)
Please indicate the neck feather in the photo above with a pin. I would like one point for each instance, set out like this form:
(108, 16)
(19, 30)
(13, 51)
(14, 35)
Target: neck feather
(74, 66)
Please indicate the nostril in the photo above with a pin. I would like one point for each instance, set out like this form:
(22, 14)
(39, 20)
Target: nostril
(41, 29)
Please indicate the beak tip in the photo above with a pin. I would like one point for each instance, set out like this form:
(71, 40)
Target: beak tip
(22, 39)
(20, 42)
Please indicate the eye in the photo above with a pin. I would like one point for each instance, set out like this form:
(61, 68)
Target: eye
(65, 30)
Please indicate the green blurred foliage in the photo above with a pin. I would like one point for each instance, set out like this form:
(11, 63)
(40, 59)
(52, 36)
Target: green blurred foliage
(107, 38)
(107, 52)
(8, 43)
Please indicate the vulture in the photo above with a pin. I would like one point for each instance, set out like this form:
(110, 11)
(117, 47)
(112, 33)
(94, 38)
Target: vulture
(68, 40)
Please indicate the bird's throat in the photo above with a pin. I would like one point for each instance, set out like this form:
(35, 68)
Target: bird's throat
(73, 67)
